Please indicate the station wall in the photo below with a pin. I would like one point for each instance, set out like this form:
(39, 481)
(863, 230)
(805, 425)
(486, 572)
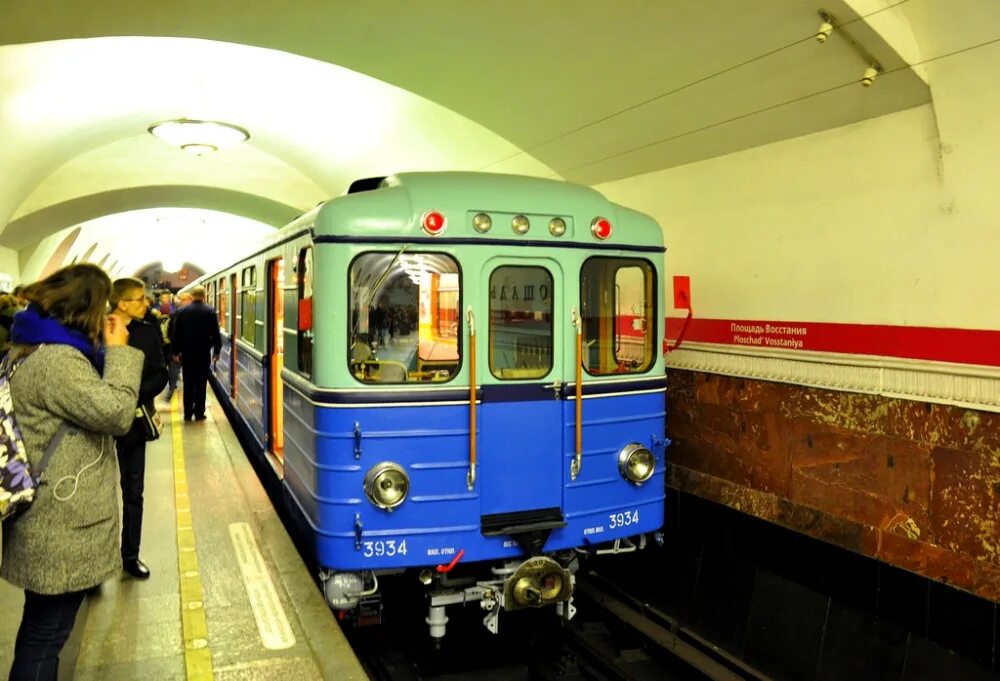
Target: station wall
(843, 359)
(888, 221)
(859, 258)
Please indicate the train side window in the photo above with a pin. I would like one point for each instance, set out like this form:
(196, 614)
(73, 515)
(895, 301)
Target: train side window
(618, 306)
(213, 295)
(223, 306)
(305, 316)
(520, 324)
(248, 305)
(405, 313)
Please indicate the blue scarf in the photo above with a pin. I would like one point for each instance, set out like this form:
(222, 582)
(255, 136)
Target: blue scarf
(32, 327)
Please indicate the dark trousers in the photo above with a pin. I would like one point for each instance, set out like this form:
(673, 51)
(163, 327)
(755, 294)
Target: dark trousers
(195, 382)
(46, 623)
(132, 466)
(173, 375)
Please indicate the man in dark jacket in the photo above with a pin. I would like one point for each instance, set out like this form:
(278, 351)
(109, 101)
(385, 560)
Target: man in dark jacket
(196, 340)
(129, 304)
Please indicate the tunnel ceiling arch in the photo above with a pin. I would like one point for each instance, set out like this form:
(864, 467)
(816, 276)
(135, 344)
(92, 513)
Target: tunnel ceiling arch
(79, 112)
(27, 230)
(588, 90)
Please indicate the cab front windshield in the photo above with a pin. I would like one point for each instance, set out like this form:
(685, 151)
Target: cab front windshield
(405, 322)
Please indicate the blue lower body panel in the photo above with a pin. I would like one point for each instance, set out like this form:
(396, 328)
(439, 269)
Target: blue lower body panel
(525, 466)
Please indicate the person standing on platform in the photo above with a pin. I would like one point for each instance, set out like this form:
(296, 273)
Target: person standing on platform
(78, 380)
(173, 366)
(166, 306)
(196, 344)
(129, 304)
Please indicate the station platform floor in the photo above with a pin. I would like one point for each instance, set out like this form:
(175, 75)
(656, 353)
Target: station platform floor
(229, 597)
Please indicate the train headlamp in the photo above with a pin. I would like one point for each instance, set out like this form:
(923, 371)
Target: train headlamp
(433, 222)
(386, 485)
(601, 228)
(482, 223)
(636, 463)
(557, 226)
(520, 225)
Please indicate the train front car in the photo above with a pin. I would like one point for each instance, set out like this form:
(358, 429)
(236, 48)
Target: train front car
(491, 390)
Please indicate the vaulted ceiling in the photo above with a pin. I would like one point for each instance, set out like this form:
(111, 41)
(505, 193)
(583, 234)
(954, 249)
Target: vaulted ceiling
(585, 90)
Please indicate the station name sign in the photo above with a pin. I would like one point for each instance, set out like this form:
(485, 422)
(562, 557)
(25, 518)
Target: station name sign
(769, 335)
(939, 344)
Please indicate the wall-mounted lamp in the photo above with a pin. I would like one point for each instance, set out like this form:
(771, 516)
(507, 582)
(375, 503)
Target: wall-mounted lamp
(199, 137)
(825, 28)
(870, 73)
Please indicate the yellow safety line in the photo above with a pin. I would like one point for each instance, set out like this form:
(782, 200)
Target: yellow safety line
(194, 628)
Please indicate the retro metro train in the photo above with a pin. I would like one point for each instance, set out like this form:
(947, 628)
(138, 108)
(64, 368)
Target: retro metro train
(457, 374)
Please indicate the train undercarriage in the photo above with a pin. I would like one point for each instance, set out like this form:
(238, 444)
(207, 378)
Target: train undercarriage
(535, 582)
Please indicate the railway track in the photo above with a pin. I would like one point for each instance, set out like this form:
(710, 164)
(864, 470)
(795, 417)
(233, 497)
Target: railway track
(614, 637)
(684, 654)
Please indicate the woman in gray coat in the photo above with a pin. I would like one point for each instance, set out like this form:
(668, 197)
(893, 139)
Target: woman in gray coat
(66, 542)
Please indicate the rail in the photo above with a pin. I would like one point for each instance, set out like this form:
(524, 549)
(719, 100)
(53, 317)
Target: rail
(471, 319)
(577, 464)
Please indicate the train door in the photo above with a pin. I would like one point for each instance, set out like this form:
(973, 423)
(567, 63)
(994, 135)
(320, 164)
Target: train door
(521, 450)
(222, 309)
(233, 332)
(275, 355)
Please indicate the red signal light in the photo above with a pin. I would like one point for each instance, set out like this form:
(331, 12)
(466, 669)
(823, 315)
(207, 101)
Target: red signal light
(433, 222)
(601, 228)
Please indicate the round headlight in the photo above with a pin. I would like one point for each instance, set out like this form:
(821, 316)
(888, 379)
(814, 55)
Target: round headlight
(601, 228)
(482, 222)
(433, 222)
(557, 226)
(386, 485)
(636, 463)
(520, 224)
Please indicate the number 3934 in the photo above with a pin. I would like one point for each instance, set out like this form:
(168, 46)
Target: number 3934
(387, 548)
(623, 519)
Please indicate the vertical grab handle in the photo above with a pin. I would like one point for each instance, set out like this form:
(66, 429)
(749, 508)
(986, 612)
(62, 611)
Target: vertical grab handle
(471, 321)
(574, 469)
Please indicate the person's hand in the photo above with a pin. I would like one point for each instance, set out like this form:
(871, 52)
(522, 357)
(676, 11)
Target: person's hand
(215, 359)
(115, 332)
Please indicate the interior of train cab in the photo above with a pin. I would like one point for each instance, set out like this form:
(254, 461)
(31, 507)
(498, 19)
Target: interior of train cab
(404, 317)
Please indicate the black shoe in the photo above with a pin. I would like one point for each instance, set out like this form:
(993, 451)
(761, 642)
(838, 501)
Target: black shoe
(188, 417)
(200, 418)
(136, 568)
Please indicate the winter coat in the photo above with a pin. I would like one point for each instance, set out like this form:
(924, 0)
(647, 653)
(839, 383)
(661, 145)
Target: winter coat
(61, 546)
(146, 337)
(195, 334)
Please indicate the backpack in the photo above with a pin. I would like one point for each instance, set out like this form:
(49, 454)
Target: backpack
(17, 483)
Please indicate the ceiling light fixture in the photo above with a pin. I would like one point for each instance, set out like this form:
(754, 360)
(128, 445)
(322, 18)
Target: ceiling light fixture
(199, 137)
(870, 74)
(198, 149)
(825, 28)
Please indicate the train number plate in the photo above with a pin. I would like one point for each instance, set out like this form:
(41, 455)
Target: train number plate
(624, 519)
(386, 548)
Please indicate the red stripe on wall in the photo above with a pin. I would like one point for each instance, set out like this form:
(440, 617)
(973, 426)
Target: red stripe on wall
(961, 346)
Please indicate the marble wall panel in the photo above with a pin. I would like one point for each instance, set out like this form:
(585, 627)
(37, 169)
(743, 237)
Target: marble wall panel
(916, 485)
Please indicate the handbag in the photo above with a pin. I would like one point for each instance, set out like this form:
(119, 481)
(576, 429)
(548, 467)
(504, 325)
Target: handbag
(152, 426)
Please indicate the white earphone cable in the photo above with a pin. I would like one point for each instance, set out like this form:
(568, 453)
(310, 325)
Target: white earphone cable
(76, 478)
